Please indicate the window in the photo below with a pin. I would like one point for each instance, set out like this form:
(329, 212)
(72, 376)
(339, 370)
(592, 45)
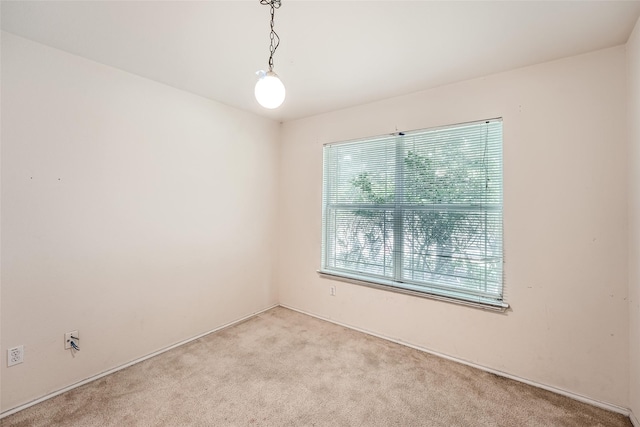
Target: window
(419, 212)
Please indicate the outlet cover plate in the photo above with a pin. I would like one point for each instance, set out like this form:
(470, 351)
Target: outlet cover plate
(15, 355)
(67, 338)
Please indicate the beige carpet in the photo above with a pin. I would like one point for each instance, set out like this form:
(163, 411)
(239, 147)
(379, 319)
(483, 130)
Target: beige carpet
(283, 368)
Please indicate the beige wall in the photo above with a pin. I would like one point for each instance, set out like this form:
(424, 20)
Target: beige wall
(633, 76)
(136, 213)
(565, 225)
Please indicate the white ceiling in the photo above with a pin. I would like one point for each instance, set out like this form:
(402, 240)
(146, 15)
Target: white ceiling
(333, 54)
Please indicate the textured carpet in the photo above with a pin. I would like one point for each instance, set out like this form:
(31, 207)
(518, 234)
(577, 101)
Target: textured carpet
(282, 368)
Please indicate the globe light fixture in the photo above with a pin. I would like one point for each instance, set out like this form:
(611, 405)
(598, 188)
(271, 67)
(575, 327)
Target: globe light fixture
(269, 91)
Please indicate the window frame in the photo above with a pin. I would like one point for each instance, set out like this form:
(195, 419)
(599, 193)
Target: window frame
(397, 282)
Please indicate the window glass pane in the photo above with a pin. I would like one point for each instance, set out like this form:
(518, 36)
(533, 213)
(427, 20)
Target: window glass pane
(452, 249)
(363, 241)
(362, 173)
(453, 165)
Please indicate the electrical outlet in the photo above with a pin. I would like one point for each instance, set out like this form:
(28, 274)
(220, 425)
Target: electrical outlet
(15, 355)
(69, 336)
(332, 290)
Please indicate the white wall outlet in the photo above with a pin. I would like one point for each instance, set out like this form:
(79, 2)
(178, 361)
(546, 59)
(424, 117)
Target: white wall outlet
(71, 336)
(15, 355)
(332, 290)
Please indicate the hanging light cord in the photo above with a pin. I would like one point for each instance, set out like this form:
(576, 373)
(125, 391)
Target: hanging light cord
(275, 39)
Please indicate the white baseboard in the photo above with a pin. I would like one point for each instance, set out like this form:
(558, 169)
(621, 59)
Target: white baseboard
(633, 419)
(126, 365)
(572, 395)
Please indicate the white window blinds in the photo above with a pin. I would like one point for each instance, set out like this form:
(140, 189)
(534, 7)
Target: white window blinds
(420, 211)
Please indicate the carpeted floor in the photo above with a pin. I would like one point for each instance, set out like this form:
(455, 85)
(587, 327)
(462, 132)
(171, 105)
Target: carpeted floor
(283, 368)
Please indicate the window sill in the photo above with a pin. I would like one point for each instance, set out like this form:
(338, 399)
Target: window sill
(499, 307)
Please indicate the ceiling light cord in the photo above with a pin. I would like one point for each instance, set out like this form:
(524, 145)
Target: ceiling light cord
(275, 39)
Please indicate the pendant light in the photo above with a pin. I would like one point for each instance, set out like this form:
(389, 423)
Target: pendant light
(269, 89)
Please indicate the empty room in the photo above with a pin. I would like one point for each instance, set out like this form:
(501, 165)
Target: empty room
(319, 213)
